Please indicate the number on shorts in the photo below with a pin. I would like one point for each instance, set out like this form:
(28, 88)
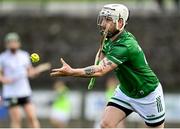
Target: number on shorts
(159, 104)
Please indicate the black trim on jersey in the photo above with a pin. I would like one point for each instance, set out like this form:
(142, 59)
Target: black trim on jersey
(155, 124)
(125, 110)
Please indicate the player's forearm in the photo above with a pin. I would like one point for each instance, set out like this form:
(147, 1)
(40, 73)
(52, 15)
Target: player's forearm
(32, 72)
(4, 79)
(1, 76)
(91, 71)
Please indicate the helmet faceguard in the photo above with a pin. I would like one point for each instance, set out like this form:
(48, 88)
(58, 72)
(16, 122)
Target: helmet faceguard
(113, 12)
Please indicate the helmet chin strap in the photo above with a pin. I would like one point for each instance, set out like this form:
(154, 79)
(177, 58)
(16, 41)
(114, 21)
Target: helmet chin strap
(121, 29)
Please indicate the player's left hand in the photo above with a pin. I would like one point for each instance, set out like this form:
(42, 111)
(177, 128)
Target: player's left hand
(65, 70)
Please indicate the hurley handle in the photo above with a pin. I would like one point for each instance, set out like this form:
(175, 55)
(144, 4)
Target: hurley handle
(93, 79)
(97, 59)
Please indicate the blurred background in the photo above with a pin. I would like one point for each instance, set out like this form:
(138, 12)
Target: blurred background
(68, 29)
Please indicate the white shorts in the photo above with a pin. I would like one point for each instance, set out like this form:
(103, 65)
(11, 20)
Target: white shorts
(151, 107)
(60, 115)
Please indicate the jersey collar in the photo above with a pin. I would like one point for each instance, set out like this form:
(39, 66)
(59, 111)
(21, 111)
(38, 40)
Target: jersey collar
(10, 53)
(120, 35)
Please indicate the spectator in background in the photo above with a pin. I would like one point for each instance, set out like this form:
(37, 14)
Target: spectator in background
(61, 107)
(110, 87)
(15, 68)
(161, 5)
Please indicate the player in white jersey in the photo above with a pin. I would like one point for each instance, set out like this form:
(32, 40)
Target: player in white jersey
(15, 68)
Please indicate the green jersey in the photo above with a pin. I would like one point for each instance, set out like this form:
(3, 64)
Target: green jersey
(136, 77)
(62, 101)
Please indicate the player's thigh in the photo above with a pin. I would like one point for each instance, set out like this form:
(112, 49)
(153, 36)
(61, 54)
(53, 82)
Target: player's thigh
(28, 106)
(15, 113)
(13, 107)
(30, 110)
(117, 109)
(112, 116)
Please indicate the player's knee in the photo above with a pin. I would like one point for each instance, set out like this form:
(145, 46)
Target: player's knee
(15, 119)
(33, 121)
(107, 124)
(32, 118)
(15, 123)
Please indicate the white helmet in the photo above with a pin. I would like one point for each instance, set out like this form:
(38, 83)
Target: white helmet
(116, 12)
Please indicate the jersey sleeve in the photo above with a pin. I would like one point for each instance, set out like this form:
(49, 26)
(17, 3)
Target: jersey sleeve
(118, 54)
(28, 61)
